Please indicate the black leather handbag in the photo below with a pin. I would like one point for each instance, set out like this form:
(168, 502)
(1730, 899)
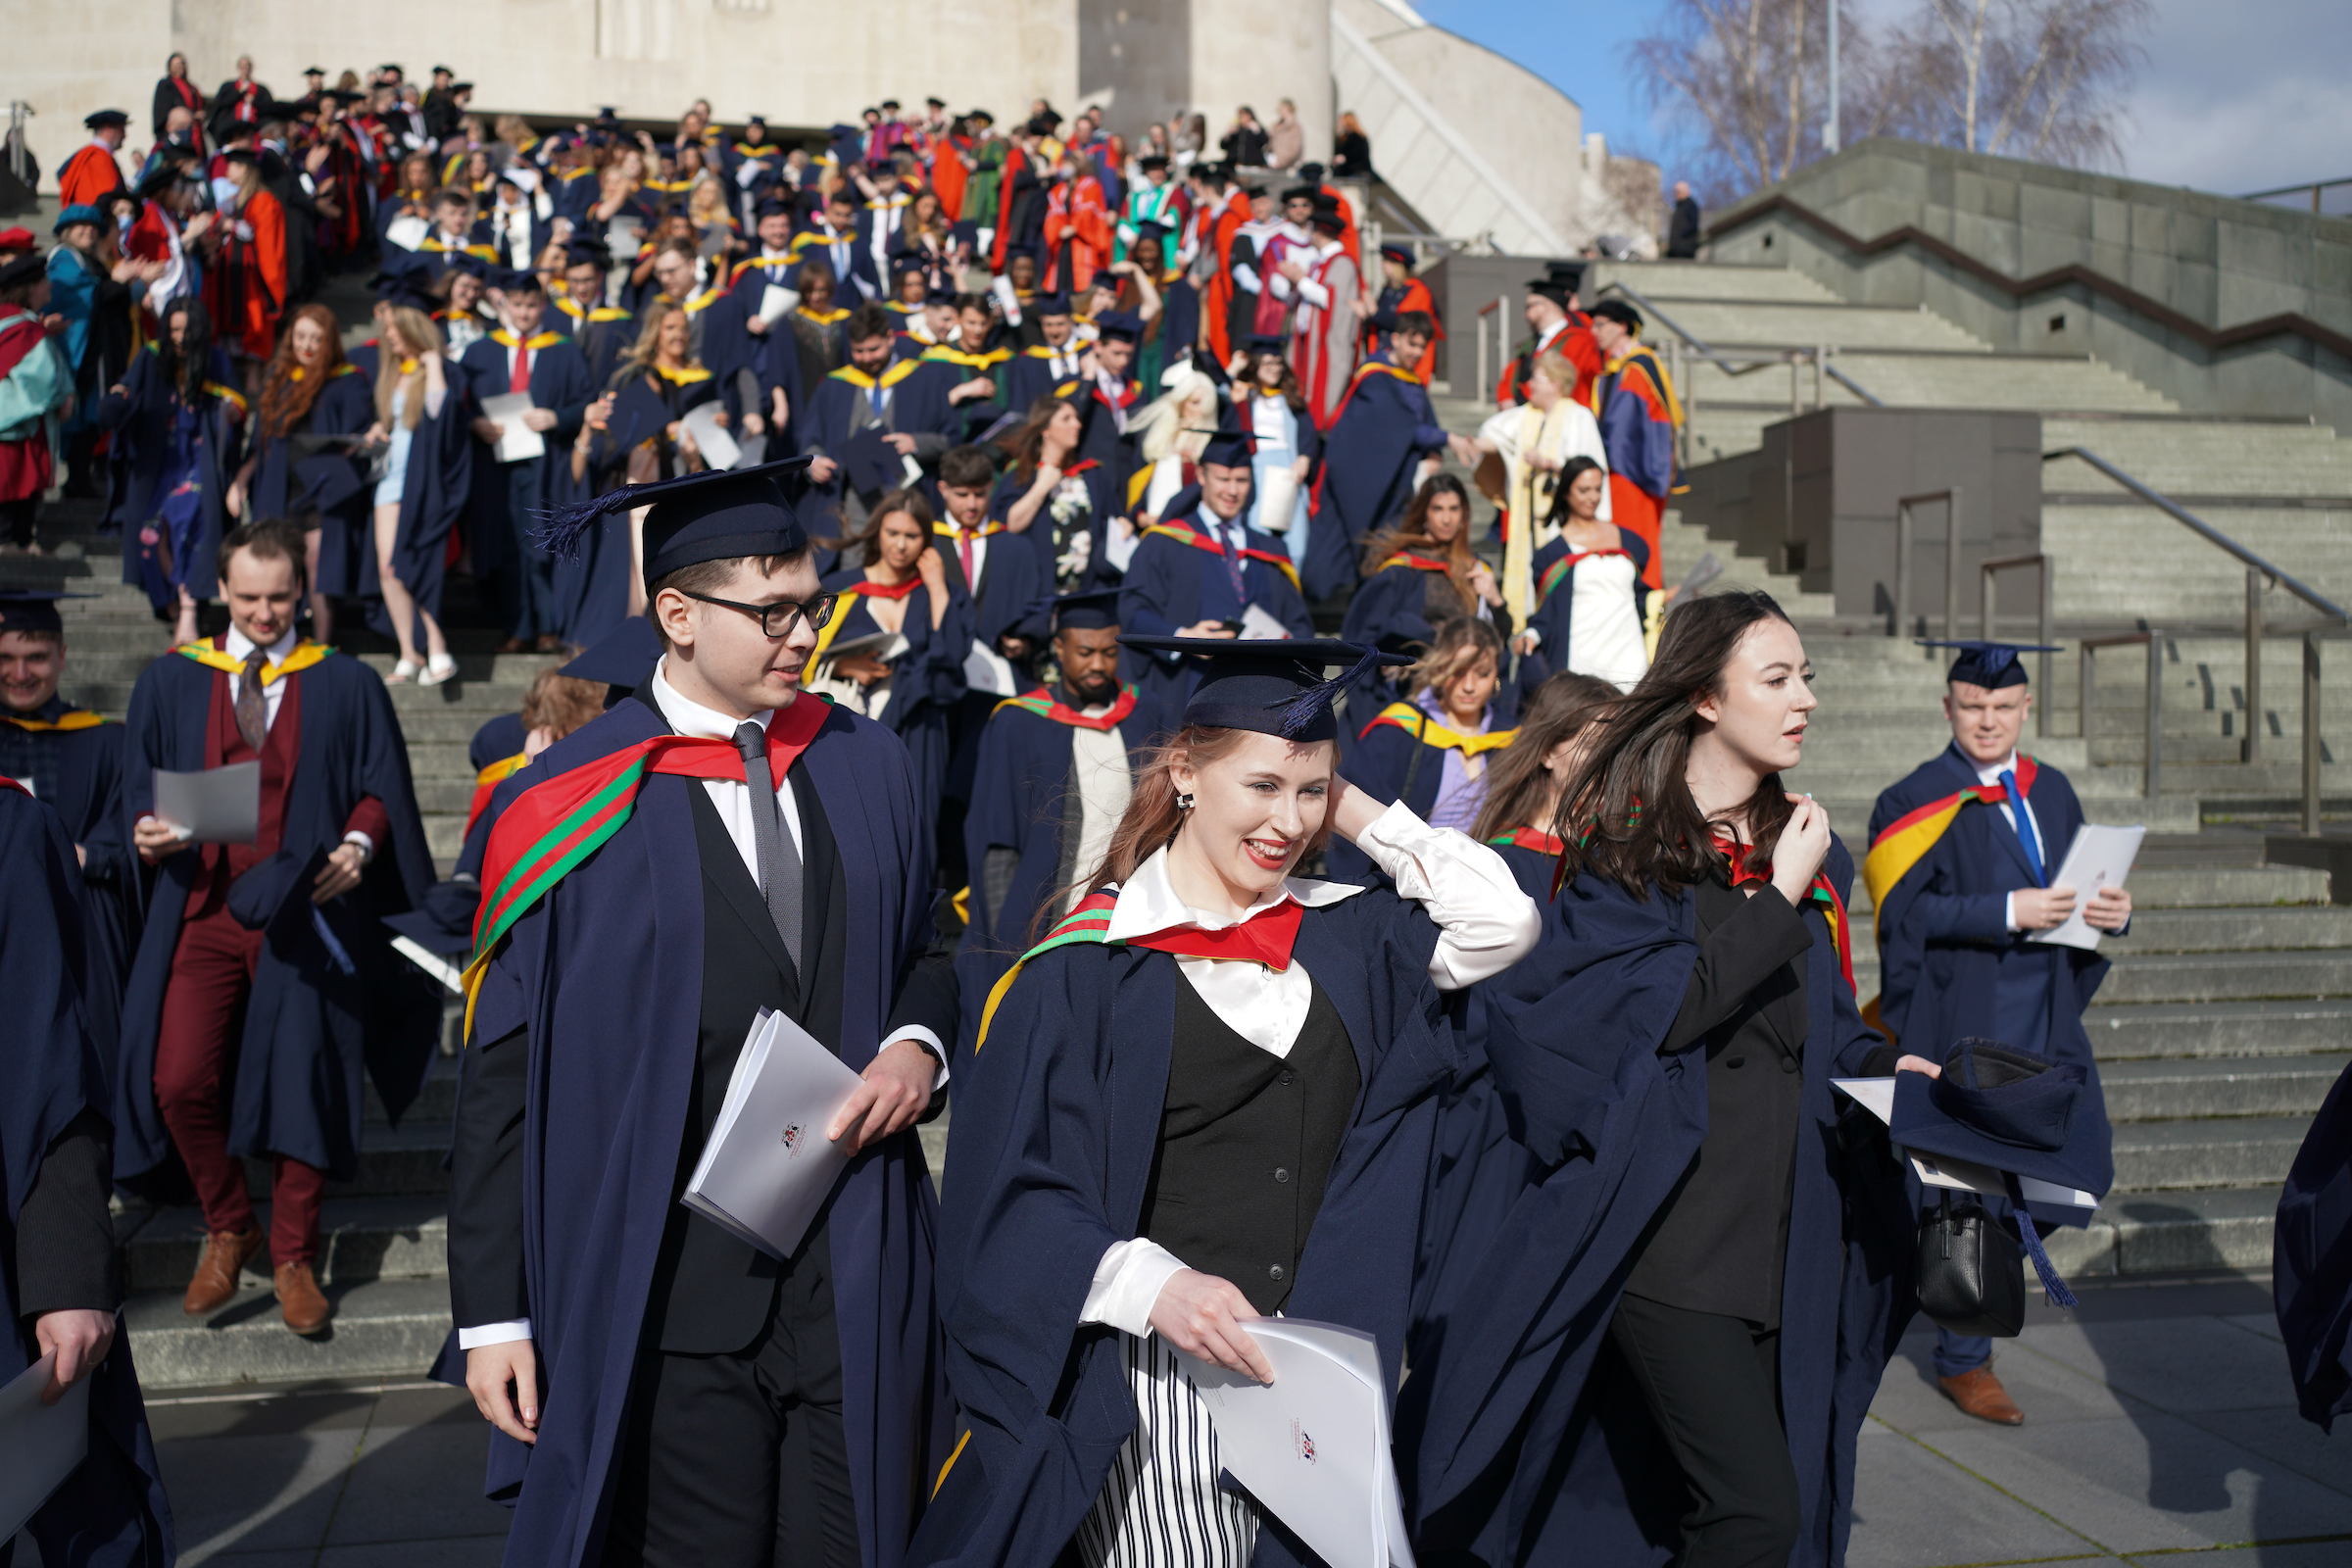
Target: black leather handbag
(1970, 1271)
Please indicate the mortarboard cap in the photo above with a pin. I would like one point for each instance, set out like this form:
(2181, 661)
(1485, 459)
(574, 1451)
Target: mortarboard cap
(1119, 325)
(443, 71)
(1272, 687)
(515, 280)
(623, 657)
(23, 269)
(1151, 163)
(1229, 448)
(102, 117)
(405, 285)
(906, 264)
(314, 71)
(1300, 193)
(756, 120)
(1555, 289)
(1402, 255)
(938, 296)
(716, 514)
(1991, 665)
(773, 206)
(1050, 305)
(981, 114)
(79, 213)
(1096, 610)
(33, 609)
(461, 86)
(1265, 343)
(587, 253)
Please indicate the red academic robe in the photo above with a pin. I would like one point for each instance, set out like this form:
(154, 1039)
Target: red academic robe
(948, 176)
(246, 291)
(28, 467)
(1077, 218)
(1014, 162)
(1219, 304)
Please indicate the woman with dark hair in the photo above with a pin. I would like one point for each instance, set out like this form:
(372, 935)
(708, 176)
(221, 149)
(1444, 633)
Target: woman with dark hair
(179, 425)
(1588, 581)
(1417, 576)
(1480, 1169)
(296, 468)
(894, 650)
(174, 90)
(1042, 492)
(1273, 410)
(1207, 1097)
(1712, 1262)
(1429, 748)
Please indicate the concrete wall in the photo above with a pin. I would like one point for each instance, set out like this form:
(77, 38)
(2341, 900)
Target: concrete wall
(2217, 261)
(1148, 59)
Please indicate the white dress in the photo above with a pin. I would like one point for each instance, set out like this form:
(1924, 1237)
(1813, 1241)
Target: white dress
(1607, 639)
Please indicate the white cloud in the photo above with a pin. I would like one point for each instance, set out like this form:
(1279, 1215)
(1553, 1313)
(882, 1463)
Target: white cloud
(2244, 97)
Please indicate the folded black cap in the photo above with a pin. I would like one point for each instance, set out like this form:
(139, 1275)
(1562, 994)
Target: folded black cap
(33, 609)
(1273, 687)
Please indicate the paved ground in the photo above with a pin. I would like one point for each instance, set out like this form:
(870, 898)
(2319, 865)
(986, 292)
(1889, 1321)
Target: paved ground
(2160, 1430)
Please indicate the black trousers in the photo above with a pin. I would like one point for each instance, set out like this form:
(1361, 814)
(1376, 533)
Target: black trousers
(740, 1459)
(1713, 1385)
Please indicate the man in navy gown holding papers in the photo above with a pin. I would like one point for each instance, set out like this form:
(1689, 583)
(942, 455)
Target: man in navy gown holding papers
(717, 843)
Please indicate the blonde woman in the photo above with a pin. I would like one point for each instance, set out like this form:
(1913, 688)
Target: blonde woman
(421, 423)
(1170, 430)
(1532, 444)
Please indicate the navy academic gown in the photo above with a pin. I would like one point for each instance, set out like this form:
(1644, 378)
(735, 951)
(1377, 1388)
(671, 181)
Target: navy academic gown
(140, 421)
(916, 406)
(2311, 1268)
(1030, 375)
(601, 332)
(432, 497)
(1478, 1170)
(110, 1512)
(284, 474)
(927, 682)
(1391, 763)
(1384, 429)
(1022, 801)
(1511, 1447)
(1076, 1062)
(78, 773)
(1171, 585)
(497, 492)
(772, 357)
(1113, 455)
(1948, 965)
(602, 1136)
(308, 1029)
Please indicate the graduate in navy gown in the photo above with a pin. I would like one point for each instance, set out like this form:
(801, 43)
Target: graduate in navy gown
(1417, 576)
(1479, 1169)
(917, 630)
(662, 1392)
(1207, 1097)
(1107, 400)
(2310, 1269)
(72, 760)
(508, 497)
(1372, 456)
(61, 1289)
(1047, 367)
(600, 331)
(261, 992)
(1592, 609)
(1198, 573)
(866, 419)
(423, 409)
(1430, 750)
(1668, 1347)
(1054, 772)
(177, 421)
(1958, 885)
(295, 467)
(1045, 494)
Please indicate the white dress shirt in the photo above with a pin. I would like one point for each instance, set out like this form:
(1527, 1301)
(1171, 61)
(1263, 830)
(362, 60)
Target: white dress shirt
(1485, 925)
(1992, 774)
(1106, 781)
(240, 647)
(733, 799)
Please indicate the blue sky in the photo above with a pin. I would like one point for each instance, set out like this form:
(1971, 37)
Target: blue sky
(2232, 97)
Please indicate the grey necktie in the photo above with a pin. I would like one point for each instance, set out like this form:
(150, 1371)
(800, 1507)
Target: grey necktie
(779, 858)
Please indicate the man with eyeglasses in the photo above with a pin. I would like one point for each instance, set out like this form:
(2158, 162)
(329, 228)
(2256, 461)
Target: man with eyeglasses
(747, 846)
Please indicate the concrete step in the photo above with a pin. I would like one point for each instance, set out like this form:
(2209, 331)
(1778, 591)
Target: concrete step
(2231, 930)
(1663, 281)
(364, 1238)
(2166, 1232)
(384, 1327)
(2175, 1031)
(2213, 1152)
(394, 1162)
(2208, 886)
(2243, 1086)
(1735, 323)
(2226, 978)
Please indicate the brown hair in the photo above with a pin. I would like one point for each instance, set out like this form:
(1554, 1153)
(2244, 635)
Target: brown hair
(865, 323)
(1027, 444)
(866, 541)
(286, 397)
(1462, 642)
(1412, 533)
(264, 539)
(560, 703)
(1627, 813)
(1153, 818)
(1518, 788)
(708, 576)
(966, 468)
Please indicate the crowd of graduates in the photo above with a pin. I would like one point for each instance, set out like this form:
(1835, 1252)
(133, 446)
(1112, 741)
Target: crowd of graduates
(1037, 456)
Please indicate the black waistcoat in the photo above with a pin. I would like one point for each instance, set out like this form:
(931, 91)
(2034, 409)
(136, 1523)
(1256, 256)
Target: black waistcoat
(1246, 1139)
(1721, 1240)
(713, 1293)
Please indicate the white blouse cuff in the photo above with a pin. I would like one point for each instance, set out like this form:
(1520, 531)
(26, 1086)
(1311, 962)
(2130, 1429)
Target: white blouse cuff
(1127, 1284)
(482, 1334)
(1485, 923)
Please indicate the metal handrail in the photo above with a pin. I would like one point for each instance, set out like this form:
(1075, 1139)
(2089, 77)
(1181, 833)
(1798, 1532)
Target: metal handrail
(2313, 188)
(2206, 531)
(1650, 309)
(2155, 641)
(1951, 560)
(2043, 567)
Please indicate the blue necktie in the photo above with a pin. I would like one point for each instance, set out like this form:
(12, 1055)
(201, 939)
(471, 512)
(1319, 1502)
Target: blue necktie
(1233, 564)
(2025, 826)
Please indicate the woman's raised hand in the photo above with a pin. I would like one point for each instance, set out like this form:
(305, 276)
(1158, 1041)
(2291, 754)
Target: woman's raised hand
(1804, 844)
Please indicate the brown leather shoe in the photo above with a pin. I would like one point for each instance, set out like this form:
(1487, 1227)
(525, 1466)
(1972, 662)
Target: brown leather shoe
(300, 1299)
(226, 1255)
(1977, 1392)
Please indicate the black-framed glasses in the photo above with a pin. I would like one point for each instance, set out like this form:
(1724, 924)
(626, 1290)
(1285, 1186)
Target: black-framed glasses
(776, 620)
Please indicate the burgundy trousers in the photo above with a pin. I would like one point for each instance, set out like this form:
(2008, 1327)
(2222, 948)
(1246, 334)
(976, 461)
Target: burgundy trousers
(204, 1004)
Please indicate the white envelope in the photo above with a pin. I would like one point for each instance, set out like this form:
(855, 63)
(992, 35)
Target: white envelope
(717, 444)
(2099, 858)
(215, 805)
(516, 441)
(778, 301)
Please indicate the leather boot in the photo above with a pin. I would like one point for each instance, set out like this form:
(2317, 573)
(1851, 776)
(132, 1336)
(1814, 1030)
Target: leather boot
(226, 1255)
(300, 1299)
(1977, 1392)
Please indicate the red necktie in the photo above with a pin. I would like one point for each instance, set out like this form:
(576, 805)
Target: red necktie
(964, 547)
(522, 381)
